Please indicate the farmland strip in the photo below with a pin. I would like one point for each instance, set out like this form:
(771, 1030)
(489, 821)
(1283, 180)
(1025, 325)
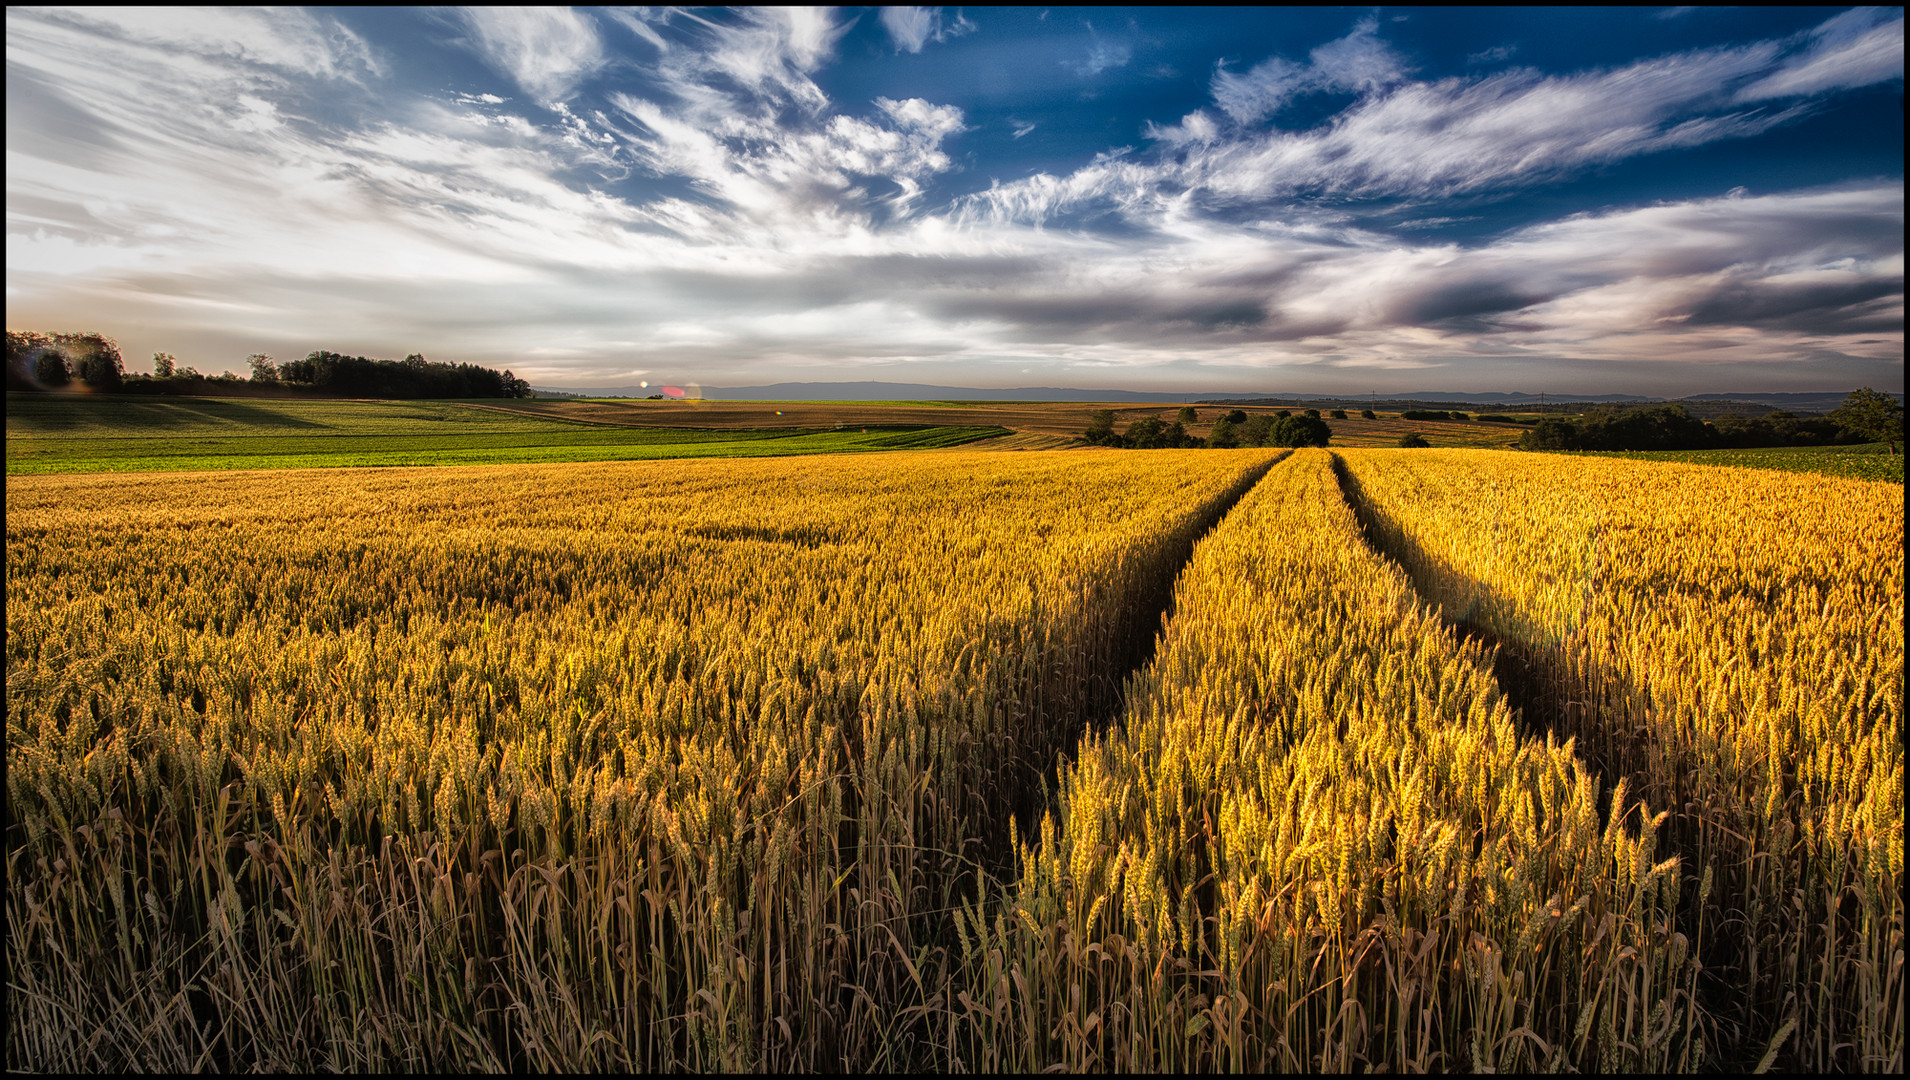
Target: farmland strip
(632, 766)
(1525, 690)
(1732, 642)
(1318, 842)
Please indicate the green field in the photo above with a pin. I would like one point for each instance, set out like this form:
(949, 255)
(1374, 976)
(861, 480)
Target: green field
(1864, 461)
(125, 434)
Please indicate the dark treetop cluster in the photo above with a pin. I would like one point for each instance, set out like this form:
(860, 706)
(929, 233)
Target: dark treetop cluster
(40, 361)
(1865, 416)
(1235, 429)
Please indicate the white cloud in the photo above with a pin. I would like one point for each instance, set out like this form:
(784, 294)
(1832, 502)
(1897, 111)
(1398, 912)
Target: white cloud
(1102, 55)
(547, 51)
(286, 39)
(1856, 48)
(1359, 62)
(797, 236)
(910, 28)
(1196, 127)
(1422, 139)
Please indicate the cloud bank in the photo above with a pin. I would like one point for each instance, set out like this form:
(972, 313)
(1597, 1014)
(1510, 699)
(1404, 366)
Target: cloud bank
(676, 192)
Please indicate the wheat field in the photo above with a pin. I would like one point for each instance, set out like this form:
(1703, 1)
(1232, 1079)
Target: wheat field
(957, 761)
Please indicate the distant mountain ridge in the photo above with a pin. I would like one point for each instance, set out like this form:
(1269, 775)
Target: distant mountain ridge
(882, 391)
(1813, 401)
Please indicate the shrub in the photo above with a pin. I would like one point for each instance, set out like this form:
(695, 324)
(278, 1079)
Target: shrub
(1413, 440)
(1299, 431)
(1225, 435)
(50, 368)
(1257, 429)
(1100, 430)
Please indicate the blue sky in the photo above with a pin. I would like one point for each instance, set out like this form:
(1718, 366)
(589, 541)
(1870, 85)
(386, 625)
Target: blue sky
(1321, 200)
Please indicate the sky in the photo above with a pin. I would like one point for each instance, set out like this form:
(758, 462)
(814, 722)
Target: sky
(1327, 200)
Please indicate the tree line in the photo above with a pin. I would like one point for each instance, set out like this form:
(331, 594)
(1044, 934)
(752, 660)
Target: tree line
(1232, 429)
(1865, 416)
(53, 362)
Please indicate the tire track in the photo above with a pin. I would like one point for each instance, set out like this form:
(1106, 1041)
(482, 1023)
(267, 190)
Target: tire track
(1523, 684)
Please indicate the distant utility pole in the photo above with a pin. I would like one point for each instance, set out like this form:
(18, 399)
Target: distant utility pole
(1541, 403)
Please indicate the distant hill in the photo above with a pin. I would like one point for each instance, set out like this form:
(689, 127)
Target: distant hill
(1820, 401)
(1817, 401)
(880, 391)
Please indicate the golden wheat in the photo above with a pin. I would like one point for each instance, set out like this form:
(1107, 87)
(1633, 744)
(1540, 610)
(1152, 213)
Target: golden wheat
(1731, 641)
(823, 764)
(1319, 842)
(651, 765)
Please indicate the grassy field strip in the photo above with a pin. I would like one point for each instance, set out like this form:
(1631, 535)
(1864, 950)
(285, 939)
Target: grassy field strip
(48, 434)
(1731, 642)
(140, 455)
(1864, 461)
(1318, 842)
(645, 766)
(96, 416)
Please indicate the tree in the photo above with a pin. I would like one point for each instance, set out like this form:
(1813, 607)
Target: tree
(1368, 414)
(1100, 430)
(263, 368)
(23, 353)
(1148, 433)
(1299, 431)
(1256, 431)
(1188, 415)
(164, 364)
(1877, 417)
(1338, 414)
(1552, 433)
(1413, 440)
(1225, 434)
(1313, 413)
(96, 359)
(50, 369)
(1237, 416)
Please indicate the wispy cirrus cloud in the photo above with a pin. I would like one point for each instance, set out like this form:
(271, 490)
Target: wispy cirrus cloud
(1458, 135)
(702, 204)
(1855, 48)
(1102, 55)
(910, 28)
(545, 50)
(1359, 62)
